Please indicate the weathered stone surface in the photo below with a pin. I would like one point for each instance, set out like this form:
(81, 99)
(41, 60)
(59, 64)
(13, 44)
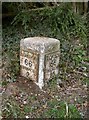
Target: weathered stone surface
(39, 58)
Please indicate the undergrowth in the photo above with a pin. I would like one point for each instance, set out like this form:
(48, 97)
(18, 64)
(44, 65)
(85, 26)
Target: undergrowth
(54, 109)
(57, 22)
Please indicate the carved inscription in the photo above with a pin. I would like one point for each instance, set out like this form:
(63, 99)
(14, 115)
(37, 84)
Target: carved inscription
(51, 65)
(29, 64)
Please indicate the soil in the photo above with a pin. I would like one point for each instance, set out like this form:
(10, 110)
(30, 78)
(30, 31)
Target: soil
(72, 91)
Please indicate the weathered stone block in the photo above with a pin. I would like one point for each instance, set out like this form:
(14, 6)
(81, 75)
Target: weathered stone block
(39, 58)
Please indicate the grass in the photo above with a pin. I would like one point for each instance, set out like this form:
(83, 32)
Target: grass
(59, 110)
(54, 109)
(73, 54)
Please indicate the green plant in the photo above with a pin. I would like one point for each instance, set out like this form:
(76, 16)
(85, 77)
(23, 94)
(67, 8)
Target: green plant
(10, 45)
(59, 22)
(60, 19)
(27, 109)
(61, 110)
(10, 109)
(78, 55)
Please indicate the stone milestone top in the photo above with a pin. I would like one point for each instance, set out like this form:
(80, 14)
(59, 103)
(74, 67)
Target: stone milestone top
(40, 44)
